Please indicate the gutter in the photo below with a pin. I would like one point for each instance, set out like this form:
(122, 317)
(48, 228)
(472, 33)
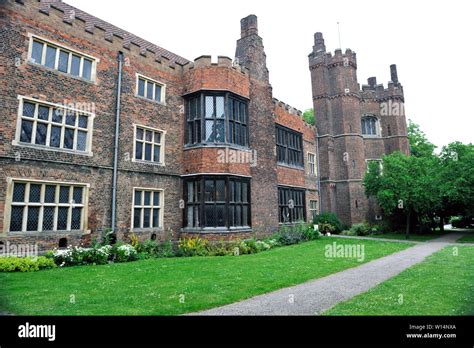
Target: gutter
(116, 144)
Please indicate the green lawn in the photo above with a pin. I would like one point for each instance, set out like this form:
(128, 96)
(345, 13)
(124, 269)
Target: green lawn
(413, 237)
(441, 285)
(467, 239)
(156, 286)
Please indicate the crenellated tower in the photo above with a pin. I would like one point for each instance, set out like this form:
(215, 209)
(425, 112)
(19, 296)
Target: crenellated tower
(354, 126)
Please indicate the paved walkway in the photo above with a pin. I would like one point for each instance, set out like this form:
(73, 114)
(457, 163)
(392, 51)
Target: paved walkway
(316, 296)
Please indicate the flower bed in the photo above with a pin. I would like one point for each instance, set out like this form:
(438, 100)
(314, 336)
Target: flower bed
(100, 254)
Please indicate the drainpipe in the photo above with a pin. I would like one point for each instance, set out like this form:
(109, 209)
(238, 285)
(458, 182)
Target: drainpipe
(116, 144)
(319, 173)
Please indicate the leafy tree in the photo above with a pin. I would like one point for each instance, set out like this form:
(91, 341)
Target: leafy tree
(405, 183)
(456, 180)
(308, 116)
(419, 144)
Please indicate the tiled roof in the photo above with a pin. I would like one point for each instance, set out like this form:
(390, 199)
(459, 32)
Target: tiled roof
(71, 12)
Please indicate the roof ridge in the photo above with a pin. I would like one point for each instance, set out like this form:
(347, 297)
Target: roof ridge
(111, 30)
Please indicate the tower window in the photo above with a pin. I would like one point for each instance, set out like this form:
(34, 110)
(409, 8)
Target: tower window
(369, 125)
(216, 119)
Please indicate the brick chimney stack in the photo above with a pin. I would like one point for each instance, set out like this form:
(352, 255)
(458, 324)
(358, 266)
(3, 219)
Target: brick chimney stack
(319, 47)
(394, 74)
(248, 26)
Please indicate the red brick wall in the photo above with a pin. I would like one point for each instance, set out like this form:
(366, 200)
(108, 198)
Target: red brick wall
(205, 76)
(214, 160)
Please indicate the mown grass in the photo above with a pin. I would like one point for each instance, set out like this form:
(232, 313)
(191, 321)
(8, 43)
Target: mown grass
(174, 286)
(441, 285)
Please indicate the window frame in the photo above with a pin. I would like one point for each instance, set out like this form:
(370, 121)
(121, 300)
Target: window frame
(201, 203)
(162, 145)
(375, 119)
(59, 47)
(379, 160)
(313, 211)
(52, 106)
(199, 120)
(312, 166)
(42, 204)
(147, 80)
(281, 207)
(161, 208)
(290, 136)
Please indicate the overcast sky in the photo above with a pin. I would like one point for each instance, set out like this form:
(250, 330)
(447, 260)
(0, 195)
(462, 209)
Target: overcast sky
(430, 41)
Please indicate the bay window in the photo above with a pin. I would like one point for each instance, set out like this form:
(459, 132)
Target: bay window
(216, 202)
(216, 118)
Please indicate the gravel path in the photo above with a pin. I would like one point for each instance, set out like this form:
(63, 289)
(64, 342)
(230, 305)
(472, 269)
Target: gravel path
(316, 296)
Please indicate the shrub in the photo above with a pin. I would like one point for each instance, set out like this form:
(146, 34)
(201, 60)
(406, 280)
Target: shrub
(222, 248)
(193, 247)
(72, 256)
(100, 255)
(125, 253)
(291, 234)
(25, 264)
(460, 222)
(165, 249)
(310, 234)
(149, 247)
(134, 240)
(326, 228)
(362, 229)
(262, 246)
(272, 242)
(329, 218)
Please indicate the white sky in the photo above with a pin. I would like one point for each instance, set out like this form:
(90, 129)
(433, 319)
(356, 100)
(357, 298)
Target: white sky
(430, 41)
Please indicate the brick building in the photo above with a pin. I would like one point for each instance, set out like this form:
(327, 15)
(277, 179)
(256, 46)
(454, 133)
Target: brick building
(202, 148)
(355, 126)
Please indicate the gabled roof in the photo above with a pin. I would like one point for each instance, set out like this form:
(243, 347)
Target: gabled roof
(111, 30)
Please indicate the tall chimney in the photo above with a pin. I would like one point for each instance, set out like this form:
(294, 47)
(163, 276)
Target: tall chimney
(393, 74)
(248, 26)
(319, 46)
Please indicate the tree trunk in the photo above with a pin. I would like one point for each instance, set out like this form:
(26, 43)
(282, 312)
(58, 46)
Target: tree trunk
(407, 233)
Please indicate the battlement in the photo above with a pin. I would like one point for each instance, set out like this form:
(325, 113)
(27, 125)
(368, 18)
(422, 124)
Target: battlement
(111, 33)
(319, 56)
(349, 58)
(290, 110)
(378, 91)
(222, 62)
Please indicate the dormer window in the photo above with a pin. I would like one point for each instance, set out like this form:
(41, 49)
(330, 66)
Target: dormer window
(369, 125)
